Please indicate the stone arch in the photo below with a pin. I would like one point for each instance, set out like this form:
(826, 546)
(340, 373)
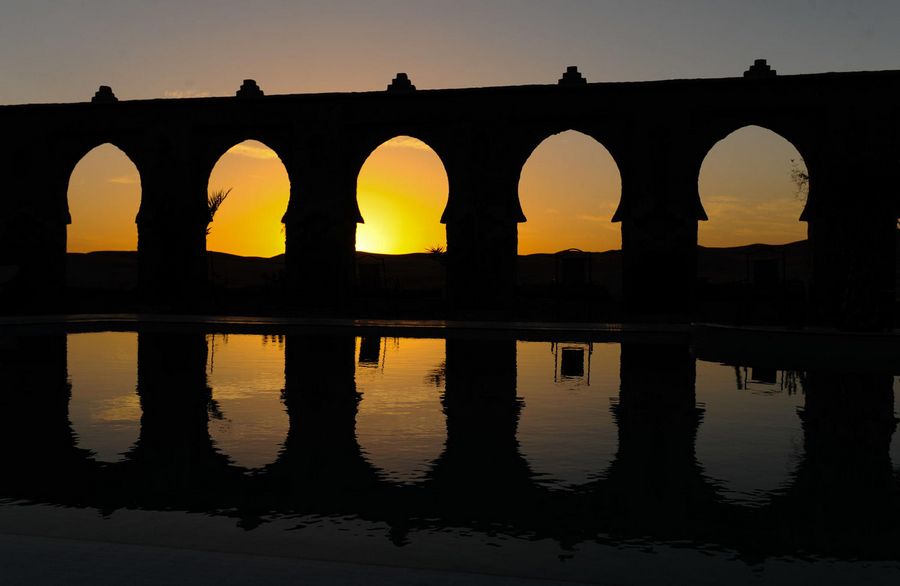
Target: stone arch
(788, 139)
(410, 157)
(249, 164)
(557, 140)
(218, 146)
(125, 176)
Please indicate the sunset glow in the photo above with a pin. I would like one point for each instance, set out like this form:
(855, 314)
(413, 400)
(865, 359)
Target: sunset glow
(569, 190)
(402, 190)
(249, 221)
(144, 51)
(104, 198)
(746, 189)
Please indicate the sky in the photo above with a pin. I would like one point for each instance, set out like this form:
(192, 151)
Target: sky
(60, 51)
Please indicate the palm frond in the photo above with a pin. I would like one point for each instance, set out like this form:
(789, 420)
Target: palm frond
(214, 200)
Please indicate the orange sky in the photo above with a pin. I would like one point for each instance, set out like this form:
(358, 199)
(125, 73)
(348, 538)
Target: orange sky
(569, 189)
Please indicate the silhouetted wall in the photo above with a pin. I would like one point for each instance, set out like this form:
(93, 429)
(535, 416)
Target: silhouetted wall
(845, 126)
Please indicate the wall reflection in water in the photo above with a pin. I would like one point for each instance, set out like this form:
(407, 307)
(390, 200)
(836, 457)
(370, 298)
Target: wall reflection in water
(491, 435)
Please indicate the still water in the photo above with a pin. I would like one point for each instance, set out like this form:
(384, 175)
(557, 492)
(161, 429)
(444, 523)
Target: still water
(568, 460)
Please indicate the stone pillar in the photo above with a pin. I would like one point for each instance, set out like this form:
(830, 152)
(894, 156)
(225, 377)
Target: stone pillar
(172, 263)
(320, 237)
(33, 220)
(655, 481)
(852, 218)
(659, 212)
(482, 219)
(481, 264)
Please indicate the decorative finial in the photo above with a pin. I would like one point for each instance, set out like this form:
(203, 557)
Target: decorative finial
(401, 83)
(249, 89)
(760, 69)
(572, 77)
(104, 95)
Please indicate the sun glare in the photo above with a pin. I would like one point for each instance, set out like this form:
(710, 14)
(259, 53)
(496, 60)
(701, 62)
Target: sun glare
(402, 191)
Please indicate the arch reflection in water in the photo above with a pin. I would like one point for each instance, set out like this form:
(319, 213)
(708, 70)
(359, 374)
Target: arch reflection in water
(841, 498)
(751, 440)
(566, 431)
(248, 419)
(104, 409)
(400, 426)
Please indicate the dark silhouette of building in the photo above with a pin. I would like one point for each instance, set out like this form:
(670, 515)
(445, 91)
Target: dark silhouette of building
(845, 125)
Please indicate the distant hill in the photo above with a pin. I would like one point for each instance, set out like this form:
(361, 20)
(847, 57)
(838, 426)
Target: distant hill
(734, 285)
(732, 265)
(117, 270)
(425, 271)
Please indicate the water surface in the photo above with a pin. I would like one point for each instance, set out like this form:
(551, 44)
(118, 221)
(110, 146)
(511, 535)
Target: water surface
(558, 459)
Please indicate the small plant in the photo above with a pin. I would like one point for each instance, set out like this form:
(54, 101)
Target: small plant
(214, 200)
(438, 253)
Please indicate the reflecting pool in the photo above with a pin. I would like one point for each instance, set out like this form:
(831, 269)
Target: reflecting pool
(565, 459)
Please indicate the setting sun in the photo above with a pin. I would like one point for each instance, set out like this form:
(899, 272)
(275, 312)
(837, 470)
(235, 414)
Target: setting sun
(402, 191)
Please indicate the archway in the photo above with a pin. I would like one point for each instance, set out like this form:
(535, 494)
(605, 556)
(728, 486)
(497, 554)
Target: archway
(248, 222)
(401, 190)
(104, 195)
(569, 189)
(749, 188)
(752, 261)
